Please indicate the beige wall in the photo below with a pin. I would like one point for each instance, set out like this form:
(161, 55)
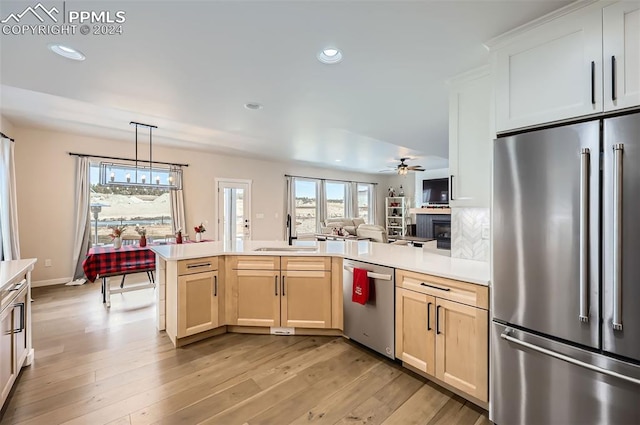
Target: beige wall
(45, 183)
(6, 127)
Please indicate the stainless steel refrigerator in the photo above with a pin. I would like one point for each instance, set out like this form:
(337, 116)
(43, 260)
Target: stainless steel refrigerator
(565, 337)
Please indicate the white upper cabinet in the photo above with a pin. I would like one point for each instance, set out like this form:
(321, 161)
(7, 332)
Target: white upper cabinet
(550, 72)
(470, 137)
(621, 57)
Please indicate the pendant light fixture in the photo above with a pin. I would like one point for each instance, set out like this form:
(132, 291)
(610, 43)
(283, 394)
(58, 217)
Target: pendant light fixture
(139, 172)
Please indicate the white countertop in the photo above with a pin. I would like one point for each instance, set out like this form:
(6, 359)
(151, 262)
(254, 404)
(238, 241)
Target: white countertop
(397, 256)
(9, 270)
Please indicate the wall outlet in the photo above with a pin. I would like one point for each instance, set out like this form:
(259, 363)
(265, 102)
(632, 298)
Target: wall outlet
(47, 262)
(259, 215)
(486, 233)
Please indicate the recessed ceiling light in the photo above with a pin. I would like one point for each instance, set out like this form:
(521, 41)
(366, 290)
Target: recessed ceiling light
(67, 52)
(253, 106)
(330, 55)
(338, 160)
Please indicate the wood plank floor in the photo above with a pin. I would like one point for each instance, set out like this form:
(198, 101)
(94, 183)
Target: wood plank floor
(99, 366)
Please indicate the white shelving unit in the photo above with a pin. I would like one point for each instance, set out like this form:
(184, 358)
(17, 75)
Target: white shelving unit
(396, 215)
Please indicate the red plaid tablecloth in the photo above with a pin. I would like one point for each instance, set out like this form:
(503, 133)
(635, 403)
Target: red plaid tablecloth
(107, 260)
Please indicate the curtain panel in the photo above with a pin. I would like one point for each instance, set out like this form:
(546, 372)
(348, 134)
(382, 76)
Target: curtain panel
(9, 238)
(178, 221)
(82, 217)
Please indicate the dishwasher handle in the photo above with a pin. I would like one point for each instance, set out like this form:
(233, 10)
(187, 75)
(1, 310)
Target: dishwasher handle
(371, 275)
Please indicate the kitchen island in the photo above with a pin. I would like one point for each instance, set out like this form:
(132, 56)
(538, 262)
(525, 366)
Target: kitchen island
(441, 303)
(399, 257)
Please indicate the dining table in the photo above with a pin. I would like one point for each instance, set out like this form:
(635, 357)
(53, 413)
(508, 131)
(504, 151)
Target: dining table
(104, 261)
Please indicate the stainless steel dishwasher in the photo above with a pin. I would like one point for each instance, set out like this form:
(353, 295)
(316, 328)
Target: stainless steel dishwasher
(372, 324)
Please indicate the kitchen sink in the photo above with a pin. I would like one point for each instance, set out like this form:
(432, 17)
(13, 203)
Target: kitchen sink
(288, 248)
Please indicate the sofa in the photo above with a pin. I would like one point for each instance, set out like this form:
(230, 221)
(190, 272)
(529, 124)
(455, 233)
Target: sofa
(348, 224)
(374, 232)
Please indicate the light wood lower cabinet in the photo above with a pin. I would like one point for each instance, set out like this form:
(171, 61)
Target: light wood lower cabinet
(415, 338)
(256, 297)
(462, 350)
(198, 300)
(443, 338)
(299, 296)
(306, 299)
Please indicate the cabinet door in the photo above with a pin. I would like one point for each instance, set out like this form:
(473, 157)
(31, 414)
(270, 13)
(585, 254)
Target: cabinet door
(256, 297)
(415, 329)
(462, 347)
(7, 353)
(470, 142)
(20, 328)
(197, 303)
(545, 75)
(621, 41)
(306, 299)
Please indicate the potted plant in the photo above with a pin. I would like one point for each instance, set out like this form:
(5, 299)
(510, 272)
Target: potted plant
(142, 231)
(116, 235)
(199, 231)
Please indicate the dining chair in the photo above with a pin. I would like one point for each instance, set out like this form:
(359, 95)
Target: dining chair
(134, 240)
(130, 240)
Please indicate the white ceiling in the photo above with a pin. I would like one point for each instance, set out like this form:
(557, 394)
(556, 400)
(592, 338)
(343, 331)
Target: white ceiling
(190, 66)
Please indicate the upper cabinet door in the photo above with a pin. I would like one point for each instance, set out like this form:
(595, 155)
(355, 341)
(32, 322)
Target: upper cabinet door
(552, 72)
(470, 141)
(621, 30)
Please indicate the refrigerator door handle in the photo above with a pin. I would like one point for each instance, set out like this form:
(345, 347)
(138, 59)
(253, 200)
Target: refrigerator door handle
(584, 235)
(505, 335)
(618, 149)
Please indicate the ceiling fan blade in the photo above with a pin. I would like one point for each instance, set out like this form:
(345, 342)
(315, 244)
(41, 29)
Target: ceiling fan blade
(416, 167)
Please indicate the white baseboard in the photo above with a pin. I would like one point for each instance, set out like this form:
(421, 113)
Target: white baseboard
(59, 281)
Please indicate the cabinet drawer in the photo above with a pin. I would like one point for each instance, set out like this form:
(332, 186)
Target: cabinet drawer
(197, 265)
(306, 263)
(255, 262)
(454, 290)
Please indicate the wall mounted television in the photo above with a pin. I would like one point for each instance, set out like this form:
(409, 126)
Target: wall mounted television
(435, 191)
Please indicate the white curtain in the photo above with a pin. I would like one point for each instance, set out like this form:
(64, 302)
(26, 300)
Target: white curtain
(82, 218)
(177, 211)
(290, 206)
(373, 202)
(351, 200)
(9, 240)
(321, 208)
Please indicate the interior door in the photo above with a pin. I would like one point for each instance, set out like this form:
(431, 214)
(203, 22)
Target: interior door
(542, 255)
(621, 328)
(234, 210)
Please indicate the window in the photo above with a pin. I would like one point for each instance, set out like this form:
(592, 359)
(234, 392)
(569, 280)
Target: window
(130, 206)
(336, 195)
(306, 204)
(311, 201)
(364, 202)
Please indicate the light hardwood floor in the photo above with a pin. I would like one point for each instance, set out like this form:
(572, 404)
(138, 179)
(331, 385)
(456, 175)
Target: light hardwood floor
(99, 366)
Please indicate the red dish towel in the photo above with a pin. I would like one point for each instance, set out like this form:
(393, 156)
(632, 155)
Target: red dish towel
(360, 293)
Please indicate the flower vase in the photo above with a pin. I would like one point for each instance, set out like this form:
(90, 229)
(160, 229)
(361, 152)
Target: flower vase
(198, 236)
(179, 237)
(143, 241)
(117, 243)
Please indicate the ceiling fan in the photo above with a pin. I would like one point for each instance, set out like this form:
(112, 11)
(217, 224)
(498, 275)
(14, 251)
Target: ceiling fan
(403, 168)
